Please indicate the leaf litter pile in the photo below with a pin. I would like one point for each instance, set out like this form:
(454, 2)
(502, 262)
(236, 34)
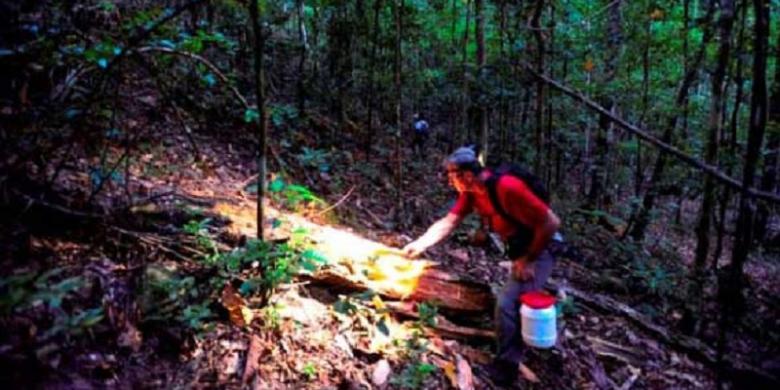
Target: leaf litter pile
(170, 291)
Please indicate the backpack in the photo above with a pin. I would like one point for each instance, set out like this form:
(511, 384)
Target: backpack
(524, 236)
(533, 182)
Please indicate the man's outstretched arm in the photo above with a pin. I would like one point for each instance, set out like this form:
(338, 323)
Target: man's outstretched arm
(437, 232)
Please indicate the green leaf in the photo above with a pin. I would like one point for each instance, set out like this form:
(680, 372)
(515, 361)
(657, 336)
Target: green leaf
(344, 306)
(311, 254)
(276, 185)
(382, 327)
(251, 115)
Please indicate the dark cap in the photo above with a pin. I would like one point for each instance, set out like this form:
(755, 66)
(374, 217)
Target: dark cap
(463, 156)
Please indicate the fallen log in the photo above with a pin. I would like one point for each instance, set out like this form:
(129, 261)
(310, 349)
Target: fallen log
(357, 263)
(362, 264)
(431, 285)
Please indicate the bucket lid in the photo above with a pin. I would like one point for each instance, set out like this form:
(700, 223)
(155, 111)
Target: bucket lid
(537, 299)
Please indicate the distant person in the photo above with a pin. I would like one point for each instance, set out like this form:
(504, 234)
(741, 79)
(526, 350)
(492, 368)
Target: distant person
(421, 132)
(515, 204)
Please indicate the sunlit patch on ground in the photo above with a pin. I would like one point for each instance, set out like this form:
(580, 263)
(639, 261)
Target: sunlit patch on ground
(365, 261)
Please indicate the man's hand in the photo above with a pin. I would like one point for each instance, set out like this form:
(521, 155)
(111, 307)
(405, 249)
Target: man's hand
(413, 249)
(522, 269)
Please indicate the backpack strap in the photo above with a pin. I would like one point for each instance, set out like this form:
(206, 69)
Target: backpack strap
(492, 189)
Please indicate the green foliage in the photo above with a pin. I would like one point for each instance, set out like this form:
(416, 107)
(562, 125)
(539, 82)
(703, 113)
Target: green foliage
(271, 317)
(655, 277)
(74, 325)
(276, 263)
(22, 291)
(251, 115)
(26, 291)
(283, 115)
(310, 371)
(314, 158)
(199, 229)
(414, 375)
(292, 195)
(566, 306)
(166, 295)
(427, 312)
(195, 316)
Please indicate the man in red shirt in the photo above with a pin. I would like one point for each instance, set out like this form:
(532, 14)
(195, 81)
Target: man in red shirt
(526, 235)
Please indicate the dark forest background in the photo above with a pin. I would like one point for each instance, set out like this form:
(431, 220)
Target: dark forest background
(655, 125)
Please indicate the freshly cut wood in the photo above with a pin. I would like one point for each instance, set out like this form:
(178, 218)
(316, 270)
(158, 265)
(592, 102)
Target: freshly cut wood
(442, 327)
(465, 376)
(357, 263)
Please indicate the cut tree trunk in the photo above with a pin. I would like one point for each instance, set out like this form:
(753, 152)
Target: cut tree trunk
(432, 285)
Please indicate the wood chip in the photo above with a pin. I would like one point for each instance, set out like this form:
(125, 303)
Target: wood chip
(528, 374)
(252, 358)
(465, 380)
(381, 373)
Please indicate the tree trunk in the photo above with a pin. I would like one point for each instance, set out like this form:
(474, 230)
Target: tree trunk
(769, 178)
(481, 110)
(730, 141)
(639, 175)
(642, 216)
(731, 290)
(714, 123)
(260, 121)
(369, 139)
(503, 110)
(464, 117)
(302, 60)
(539, 101)
(600, 179)
(398, 12)
(550, 144)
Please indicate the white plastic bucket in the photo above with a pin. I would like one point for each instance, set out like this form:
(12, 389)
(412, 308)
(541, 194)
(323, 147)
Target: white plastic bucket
(537, 317)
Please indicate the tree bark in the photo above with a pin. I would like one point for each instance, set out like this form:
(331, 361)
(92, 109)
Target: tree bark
(539, 101)
(714, 123)
(731, 290)
(730, 141)
(464, 117)
(369, 138)
(301, 95)
(398, 6)
(260, 122)
(769, 177)
(481, 110)
(641, 218)
(598, 194)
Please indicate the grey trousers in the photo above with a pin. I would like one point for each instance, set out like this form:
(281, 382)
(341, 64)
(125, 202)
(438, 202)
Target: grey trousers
(510, 341)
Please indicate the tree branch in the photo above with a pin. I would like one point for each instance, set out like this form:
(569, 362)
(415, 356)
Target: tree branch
(213, 68)
(709, 169)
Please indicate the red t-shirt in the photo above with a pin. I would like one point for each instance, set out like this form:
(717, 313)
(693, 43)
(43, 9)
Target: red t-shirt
(517, 200)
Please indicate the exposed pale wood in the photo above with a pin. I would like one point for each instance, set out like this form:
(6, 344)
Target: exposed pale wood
(607, 348)
(433, 285)
(443, 327)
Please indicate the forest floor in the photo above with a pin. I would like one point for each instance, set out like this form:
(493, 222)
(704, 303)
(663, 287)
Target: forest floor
(302, 340)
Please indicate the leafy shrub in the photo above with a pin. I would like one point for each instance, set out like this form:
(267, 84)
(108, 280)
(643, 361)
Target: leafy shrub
(292, 195)
(26, 291)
